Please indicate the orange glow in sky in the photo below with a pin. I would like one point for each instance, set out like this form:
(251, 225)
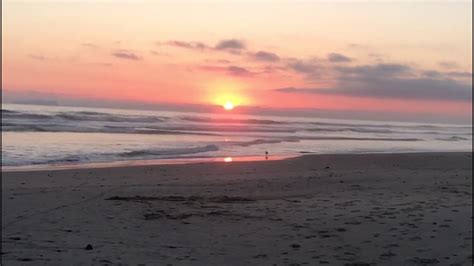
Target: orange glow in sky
(228, 92)
(159, 52)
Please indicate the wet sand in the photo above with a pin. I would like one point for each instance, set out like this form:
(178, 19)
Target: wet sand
(384, 209)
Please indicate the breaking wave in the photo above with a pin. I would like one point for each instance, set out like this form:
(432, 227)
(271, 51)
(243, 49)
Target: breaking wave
(175, 151)
(81, 116)
(231, 120)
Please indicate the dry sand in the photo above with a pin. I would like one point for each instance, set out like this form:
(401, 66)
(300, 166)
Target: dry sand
(386, 209)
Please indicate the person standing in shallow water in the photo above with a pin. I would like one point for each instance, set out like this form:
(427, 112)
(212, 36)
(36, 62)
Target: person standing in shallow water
(266, 155)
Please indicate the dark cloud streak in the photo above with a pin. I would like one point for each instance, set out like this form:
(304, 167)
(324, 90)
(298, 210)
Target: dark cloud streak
(230, 70)
(393, 81)
(238, 71)
(338, 58)
(396, 88)
(265, 56)
(188, 45)
(376, 70)
(127, 55)
(230, 44)
(304, 67)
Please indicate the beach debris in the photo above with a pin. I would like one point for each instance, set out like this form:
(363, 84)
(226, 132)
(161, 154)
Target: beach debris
(294, 245)
(89, 247)
(161, 214)
(424, 261)
(387, 254)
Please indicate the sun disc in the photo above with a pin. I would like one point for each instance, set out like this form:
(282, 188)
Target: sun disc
(228, 105)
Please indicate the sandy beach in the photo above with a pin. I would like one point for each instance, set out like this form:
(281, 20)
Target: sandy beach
(371, 209)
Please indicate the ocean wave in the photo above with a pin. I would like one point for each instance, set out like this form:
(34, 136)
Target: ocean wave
(230, 120)
(5, 111)
(104, 122)
(20, 115)
(92, 116)
(264, 141)
(175, 151)
(359, 138)
(411, 127)
(11, 127)
(357, 130)
(82, 116)
(131, 155)
(453, 138)
(141, 129)
(382, 131)
(67, 159)
(302, 138)
(225, 128)
(215, 130)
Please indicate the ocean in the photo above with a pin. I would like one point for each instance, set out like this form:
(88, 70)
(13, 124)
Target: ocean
(56, 135)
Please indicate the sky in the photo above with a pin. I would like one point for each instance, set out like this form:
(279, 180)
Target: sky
(412, 58)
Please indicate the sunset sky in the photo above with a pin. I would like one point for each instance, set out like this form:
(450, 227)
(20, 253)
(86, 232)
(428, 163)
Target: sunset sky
(404, 56)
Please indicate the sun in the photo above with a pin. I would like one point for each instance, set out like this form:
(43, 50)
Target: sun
(228, 105)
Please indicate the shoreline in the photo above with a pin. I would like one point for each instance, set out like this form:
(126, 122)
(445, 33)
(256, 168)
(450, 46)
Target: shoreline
(377, 209)
(186, 161)
(137, 163)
